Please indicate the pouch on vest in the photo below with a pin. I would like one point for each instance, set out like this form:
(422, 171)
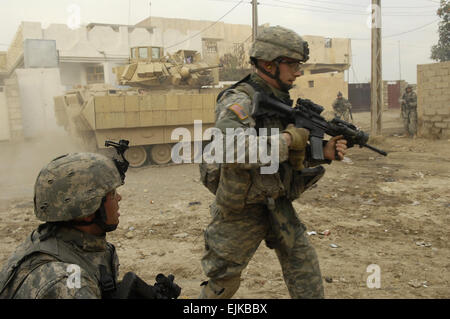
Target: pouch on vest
(284, 223)
(304, 180)
(233, 188)
(210, 176)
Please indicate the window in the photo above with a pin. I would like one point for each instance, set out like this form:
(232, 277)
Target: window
(211, 46)
(133, 53)
(143, 53)
(156, 53)
(327, 43)
(95, 74)
(311, 84)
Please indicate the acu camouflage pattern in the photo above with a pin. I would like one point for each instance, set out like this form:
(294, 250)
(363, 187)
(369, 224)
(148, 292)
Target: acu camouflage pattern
(409, 111)
(342, 108)
(73, 186)
(274, 42)
(39, 269)
(241, 218)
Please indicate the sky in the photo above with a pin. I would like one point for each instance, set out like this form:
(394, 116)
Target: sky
(409, 27)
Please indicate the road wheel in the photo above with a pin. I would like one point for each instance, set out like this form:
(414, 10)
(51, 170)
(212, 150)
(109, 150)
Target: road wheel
(136, 156)
(161, 153)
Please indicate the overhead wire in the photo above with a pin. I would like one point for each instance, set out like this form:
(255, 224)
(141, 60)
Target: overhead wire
(329, 10)
(352, 4)
(401, 33)
(211, 25)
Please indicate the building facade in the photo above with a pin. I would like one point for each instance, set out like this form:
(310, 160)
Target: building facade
(64, 58)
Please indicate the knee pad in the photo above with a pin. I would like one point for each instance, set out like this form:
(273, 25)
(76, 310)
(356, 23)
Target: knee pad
(220, 288)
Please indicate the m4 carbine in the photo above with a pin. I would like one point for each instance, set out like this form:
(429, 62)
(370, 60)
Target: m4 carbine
(306, 114)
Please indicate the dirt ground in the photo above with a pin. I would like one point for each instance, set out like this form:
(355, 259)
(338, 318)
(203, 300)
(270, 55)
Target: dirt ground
(391, 211)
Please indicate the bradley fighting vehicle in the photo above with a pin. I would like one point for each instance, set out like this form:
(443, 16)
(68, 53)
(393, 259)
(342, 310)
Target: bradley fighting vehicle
(160, 94)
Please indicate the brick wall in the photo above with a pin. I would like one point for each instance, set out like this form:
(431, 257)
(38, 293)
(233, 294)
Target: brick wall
(14, 108)
(15, 50)
(433, 99)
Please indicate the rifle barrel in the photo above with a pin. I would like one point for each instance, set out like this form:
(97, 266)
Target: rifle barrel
(375, 149)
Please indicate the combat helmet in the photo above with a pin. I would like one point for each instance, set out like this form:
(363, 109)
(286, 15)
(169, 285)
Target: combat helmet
(73, 186)
(274, 42)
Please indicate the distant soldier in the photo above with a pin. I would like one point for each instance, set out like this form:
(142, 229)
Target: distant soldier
(409, 111)
(342, 108)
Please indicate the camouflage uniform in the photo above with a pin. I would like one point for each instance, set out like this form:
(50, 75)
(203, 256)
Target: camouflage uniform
(39, 269)
(69, 187)
(240, 216)
(409, 111)
(342, 107)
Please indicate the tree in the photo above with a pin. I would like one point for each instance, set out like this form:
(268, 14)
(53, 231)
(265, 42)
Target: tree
(235, 66)
(441, 51)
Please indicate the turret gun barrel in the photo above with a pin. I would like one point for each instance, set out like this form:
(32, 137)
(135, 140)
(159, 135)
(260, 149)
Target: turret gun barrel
(185, 72)
(195, 70)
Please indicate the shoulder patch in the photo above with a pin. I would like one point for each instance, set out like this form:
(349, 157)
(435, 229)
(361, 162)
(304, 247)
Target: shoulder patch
(239, 111)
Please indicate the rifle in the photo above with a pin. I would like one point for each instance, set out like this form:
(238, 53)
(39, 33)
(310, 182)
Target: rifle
(350, 111)
(121, 164)
(133, 287)
(306, 114)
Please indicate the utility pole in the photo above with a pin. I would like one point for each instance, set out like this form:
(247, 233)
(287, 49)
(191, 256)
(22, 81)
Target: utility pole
(376, 77)
(399, 62)
(254, 19)
(150, 13)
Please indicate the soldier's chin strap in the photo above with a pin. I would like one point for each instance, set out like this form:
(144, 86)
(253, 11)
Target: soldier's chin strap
(283, 86)
(100, 220)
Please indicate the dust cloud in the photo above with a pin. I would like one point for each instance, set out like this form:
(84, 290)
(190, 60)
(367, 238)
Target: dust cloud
(20, 162)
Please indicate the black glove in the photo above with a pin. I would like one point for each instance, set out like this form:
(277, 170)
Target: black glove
(167, 289)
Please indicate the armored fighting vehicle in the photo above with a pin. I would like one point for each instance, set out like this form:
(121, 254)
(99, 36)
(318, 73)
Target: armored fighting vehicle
(157, 94)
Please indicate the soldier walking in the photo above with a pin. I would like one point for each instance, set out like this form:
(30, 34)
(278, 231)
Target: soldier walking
(249, 206)
(342, 108)
(409, 111)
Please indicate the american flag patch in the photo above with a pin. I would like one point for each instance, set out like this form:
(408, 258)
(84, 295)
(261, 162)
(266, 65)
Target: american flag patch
(239, 111)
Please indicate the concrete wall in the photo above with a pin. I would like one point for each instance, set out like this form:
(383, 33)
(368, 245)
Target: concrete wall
(338, 53)
(72, 74)
(325, 90)
(228, 35)
(3, 61)
(4, 117)
(15, 50)
(37, 88)
(433, 99)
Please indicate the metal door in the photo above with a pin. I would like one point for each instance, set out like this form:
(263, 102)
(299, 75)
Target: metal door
(394, 95)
